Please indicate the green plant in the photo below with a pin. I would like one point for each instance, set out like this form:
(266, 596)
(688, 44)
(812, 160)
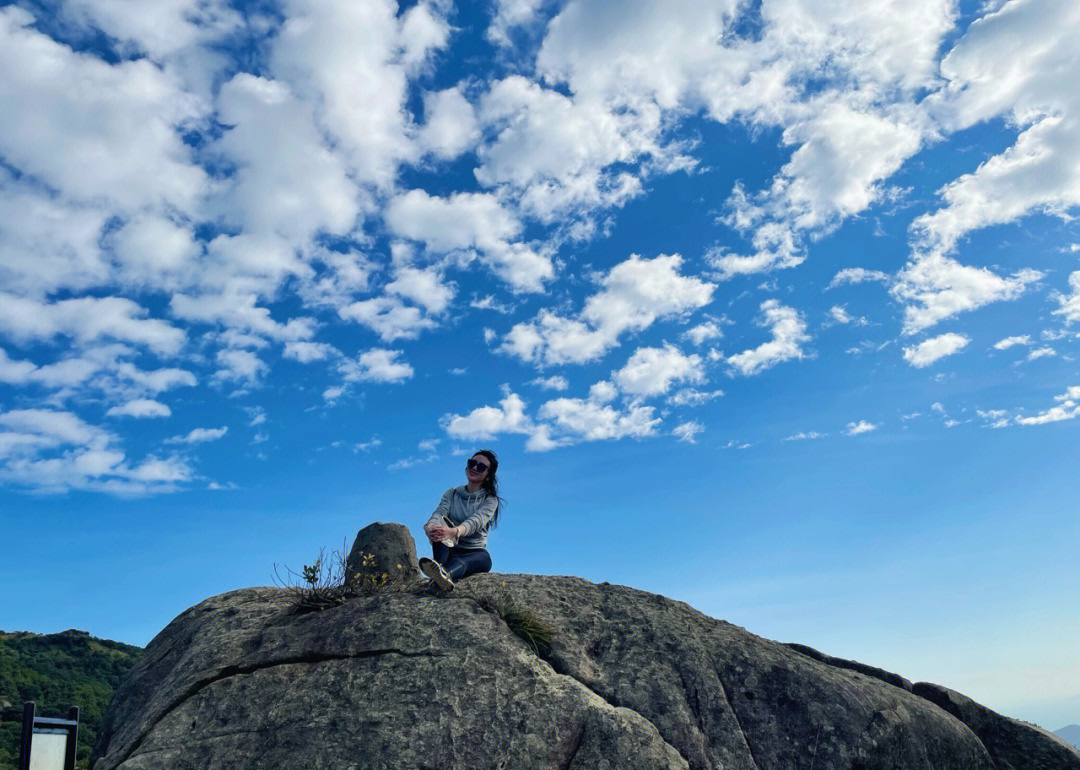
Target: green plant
(523, 622)
(317, 586)
(322, 585)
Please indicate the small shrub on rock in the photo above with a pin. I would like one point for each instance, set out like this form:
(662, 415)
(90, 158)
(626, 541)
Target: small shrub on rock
(523, 622)
(322, 585)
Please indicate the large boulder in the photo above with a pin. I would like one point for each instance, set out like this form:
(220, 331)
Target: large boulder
(411, 678)
(1013, 744)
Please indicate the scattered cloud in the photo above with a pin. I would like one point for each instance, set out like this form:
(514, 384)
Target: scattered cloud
(633, 295)
(653, 371)
(199, 436)
(930, 350)
(807, 435)
(1068, 408)
(140, 407)
(687, 431)
(860, 427)
(788, 335)
(1008, 342)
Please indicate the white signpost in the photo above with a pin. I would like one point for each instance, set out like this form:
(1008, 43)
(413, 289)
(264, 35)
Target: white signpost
(48, 744)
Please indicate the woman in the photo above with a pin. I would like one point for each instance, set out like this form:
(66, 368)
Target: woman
(458, 527)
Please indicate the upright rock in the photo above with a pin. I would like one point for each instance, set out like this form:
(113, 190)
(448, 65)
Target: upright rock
(382, 555)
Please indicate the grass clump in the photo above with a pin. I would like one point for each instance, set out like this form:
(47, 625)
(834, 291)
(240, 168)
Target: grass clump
(523, 622)
(322, 585)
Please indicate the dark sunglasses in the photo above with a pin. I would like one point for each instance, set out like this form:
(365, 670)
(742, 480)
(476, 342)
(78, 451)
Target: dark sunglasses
(473, 465)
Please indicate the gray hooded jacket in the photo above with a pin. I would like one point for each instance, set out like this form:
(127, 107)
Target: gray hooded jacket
(474, 510)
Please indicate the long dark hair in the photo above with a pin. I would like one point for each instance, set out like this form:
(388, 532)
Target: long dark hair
(491, 483)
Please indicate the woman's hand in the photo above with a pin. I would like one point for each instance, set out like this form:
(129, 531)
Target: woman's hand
(437, 534)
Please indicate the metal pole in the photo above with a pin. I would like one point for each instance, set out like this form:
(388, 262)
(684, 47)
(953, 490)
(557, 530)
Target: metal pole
(27, 735)
(72, 738)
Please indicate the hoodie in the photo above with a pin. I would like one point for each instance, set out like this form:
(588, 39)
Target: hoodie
(474, 510)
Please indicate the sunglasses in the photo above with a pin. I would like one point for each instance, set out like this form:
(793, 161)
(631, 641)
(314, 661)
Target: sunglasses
(473, 465)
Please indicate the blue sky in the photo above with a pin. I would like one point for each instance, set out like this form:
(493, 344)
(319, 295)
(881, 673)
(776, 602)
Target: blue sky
(767, 307)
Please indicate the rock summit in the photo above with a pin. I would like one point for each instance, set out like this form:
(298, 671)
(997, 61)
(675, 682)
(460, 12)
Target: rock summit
(409, 678)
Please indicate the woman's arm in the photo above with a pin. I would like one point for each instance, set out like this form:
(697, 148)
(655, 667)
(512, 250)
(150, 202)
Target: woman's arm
(441, 510)
(479, 520)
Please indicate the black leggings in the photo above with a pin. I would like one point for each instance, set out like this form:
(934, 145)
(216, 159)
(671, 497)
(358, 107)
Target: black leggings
(460, 562)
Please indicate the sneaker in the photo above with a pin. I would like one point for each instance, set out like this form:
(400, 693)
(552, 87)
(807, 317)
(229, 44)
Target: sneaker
(438, 575)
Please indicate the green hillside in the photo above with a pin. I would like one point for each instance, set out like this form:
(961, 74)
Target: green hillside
(58, 671)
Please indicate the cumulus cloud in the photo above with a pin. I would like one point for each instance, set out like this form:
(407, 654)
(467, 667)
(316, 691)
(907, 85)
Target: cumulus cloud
(788, 335)
(376, 365)
(652, 371)
(1068, 408)
(140, 407)
(1070, 303)
(930, 350)
(857, 428)
(199, 436)
(633, 295)
(54, 451)
(703, 332)
(934, 287)
(471, 222)
(1008, 342)
(858, 275)
(555, 382)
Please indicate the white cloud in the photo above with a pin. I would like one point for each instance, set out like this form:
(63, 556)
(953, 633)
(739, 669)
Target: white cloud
(306, 352)
(1041, 353)
(388, 317)
(652, 371)
(1008, 342)
(788, 334)
(555, 382)
(1070, 303)
(862, 426)
(703, 332)
(555, 153)
(240, 366)
(934, 287)
(1038, 173)
(424, 287)
(376, 365)
(1068, 408)
(140, 407)
(858, 275)
(488, 421)
(92, 130)
(471, 222)
(930, 350)
(87, 319)
(510, 14)
(840, 315)
(808, 435)
(53, 451)
(634, 294)
(693, 397)
(590, 421)
(239, 312)
(199, 436)
(687, 431)
(451, 127)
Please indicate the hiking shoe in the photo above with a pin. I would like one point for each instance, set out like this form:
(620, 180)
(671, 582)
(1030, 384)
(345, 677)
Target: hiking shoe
(438, 575)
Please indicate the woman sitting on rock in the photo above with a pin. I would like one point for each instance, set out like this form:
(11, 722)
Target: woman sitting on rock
(458, 528)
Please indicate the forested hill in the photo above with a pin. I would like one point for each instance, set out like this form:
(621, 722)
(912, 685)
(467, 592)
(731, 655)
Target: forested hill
(58, 671)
